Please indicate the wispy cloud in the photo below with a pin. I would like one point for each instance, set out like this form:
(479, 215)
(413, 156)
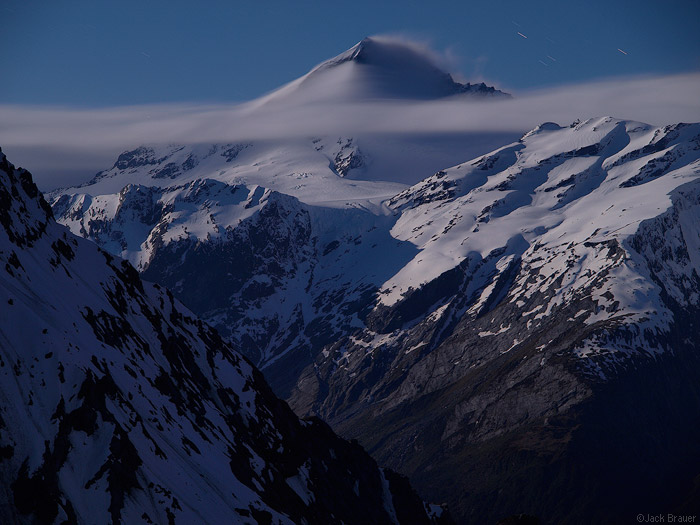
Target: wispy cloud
(446, 59)
(63, 145)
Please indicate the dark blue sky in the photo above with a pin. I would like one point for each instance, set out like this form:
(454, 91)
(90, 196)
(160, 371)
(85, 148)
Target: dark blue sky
(97, 53)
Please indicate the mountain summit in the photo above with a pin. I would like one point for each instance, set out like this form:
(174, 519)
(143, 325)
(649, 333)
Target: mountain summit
(378, 68)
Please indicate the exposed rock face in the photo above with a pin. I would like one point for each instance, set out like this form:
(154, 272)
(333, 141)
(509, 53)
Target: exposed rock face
(485, 329)
(537, 369)
(348, 158)
(275, 276)
(118, 405)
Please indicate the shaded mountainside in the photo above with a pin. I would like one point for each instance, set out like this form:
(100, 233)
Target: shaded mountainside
(555, 367)
(118, 405)
(513, 321)
(282, 276)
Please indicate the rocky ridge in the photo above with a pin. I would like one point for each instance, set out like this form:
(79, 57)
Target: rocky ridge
(120, 406)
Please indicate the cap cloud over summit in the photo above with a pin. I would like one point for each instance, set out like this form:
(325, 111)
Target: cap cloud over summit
(354, 93)
(377, 68)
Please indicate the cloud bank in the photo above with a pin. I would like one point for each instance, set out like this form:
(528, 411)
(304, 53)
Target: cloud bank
(64, 146)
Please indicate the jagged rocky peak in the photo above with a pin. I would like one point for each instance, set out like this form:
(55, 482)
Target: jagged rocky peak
(24, 213)
(119, 406)
(140, 156)
(164, 162)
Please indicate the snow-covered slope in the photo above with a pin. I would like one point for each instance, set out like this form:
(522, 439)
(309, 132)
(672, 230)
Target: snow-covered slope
(553, 279)
(118, 405)
(563, 217)
(257, 264)
(556, 191)
(315, 170)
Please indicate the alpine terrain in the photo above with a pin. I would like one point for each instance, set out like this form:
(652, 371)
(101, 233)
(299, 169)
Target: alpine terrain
(517, 333)
(119, 406)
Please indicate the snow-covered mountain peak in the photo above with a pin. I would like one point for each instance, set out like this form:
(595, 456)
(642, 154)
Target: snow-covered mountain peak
(320, 171)
(376, 68)
(386, 53)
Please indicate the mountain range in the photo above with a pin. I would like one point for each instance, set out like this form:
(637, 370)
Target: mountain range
(516, 332)
(119, 406)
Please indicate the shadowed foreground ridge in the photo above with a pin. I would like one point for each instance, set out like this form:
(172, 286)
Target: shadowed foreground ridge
(118, 405)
